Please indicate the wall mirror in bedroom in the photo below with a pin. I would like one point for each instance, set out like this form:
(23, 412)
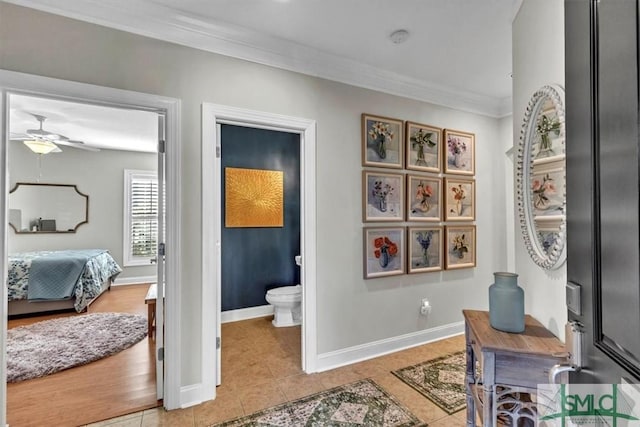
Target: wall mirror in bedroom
(47, 208)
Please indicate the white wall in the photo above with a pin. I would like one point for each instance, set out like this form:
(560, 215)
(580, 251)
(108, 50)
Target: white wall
(100, 175)
(507, 156)
(351, 311)
(538, 59)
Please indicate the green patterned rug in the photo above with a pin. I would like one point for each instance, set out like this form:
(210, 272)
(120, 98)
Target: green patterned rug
(441, 380)
(362, 403)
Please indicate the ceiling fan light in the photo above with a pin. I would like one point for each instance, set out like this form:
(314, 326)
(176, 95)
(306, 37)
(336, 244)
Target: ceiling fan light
(40, 146)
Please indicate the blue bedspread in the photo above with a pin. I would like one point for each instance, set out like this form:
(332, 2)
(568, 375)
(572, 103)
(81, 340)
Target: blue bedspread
(97, 270)
(54, 275)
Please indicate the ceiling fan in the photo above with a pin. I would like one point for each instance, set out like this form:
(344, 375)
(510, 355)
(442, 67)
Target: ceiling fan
(42, 141)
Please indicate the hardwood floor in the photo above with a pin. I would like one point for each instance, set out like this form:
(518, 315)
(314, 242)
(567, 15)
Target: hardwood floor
(110, 387)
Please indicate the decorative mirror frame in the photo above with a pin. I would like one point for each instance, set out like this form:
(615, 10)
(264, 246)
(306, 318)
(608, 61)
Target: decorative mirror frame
(554, 254)
(71, 186)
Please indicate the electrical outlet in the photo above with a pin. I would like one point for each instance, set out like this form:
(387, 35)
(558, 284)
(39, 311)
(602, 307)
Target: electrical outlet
(425, 307)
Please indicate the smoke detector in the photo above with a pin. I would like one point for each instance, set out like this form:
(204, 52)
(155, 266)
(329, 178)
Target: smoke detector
(399, 36)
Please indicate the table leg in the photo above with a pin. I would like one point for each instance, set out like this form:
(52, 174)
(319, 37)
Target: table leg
(488, 388)
(487, 405)
(470, 381)
(151, 314)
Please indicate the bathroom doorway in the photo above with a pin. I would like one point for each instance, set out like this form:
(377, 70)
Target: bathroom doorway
(260, 217)
(260, 238)
(214, 116)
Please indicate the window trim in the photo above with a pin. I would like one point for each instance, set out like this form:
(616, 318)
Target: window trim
(128, 259)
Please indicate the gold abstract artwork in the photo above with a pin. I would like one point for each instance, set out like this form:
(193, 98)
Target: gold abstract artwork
(254, 198)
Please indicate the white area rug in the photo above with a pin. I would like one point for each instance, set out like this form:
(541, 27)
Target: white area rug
(51, 346)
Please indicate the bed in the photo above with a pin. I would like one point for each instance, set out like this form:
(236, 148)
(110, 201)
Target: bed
(55, 280)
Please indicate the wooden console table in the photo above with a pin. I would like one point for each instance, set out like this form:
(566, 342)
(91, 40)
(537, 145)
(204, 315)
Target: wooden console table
(510, 364)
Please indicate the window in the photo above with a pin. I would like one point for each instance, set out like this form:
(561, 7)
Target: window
(140, 217)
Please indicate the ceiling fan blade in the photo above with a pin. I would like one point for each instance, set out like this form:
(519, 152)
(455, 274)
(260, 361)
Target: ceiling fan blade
(44, 134)
(38, 132)
(16, 136)
(80, 146)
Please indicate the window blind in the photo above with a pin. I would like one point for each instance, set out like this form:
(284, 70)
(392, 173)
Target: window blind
(143, 216)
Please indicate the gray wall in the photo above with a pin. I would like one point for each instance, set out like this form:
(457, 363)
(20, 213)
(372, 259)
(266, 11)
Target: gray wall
(350, 311)
(538, 59)
(99, 175)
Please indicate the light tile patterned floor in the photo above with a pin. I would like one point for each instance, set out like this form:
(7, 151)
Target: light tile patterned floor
(261, 368)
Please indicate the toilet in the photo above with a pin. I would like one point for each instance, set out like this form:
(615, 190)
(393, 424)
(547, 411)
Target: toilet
(286, 301)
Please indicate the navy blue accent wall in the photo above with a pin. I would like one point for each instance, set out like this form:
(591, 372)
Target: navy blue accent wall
(255, 260)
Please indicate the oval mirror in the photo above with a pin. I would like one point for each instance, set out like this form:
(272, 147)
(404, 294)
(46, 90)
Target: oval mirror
(47, 208)
(540, 178)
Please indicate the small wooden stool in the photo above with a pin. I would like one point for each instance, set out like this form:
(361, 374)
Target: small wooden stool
(150, 300)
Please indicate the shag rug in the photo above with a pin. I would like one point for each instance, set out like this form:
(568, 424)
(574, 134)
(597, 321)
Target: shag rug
(51, 346)
(440, 380)
(362, 403)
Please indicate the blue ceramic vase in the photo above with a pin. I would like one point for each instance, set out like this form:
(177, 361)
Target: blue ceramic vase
(506, 303)
(384, 257)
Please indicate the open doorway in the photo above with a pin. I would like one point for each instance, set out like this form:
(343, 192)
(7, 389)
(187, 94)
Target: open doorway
(260, 241)
(167, 108)
(83, 201)
(213, 117)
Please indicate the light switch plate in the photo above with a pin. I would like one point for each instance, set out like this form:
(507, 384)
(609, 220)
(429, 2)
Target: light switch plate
(573, 298)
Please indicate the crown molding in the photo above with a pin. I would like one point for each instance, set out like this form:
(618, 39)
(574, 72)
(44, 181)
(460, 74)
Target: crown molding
(156, 21)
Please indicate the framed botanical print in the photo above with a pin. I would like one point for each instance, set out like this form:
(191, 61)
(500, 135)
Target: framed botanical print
(425, 251)
(382, 141)
(384, 251)
(461, 152)
(423, 147)
(383, 196)
(424, 198)
(549, 230)
(460, 199)
(460, 246)
(547, 188)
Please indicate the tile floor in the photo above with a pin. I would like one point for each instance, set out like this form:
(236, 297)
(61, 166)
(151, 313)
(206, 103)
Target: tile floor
(261, 368)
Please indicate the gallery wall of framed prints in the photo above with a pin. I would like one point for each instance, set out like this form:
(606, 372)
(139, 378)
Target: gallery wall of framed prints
(418, 197)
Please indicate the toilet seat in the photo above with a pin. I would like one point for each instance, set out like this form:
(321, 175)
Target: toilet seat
(285, 293)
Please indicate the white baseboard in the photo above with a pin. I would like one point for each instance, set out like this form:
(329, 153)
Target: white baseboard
(121, 281)
(246, 313)
(347, 356)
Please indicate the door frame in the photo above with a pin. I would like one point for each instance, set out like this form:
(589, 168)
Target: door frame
(29, 84)
(212, 116)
